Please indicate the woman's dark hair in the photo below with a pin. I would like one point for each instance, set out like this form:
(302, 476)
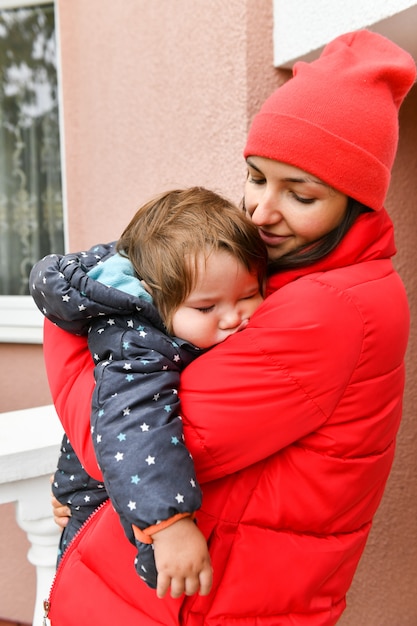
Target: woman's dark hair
(309, 254)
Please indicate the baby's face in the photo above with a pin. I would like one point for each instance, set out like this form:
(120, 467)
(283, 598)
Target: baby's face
(224, 298)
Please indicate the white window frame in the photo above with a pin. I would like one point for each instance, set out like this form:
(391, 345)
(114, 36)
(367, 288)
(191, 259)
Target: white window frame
(20, 320)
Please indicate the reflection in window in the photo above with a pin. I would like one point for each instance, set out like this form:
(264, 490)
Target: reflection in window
(31, 217)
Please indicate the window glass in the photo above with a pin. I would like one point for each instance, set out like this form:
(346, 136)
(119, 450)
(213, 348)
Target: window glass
(31, 214)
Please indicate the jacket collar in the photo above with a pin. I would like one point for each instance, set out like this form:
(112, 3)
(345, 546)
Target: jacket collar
(371, 237)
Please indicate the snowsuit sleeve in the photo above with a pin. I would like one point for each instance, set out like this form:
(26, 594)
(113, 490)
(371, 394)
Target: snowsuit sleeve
(73, 486)
(137, 432)
(67, 296)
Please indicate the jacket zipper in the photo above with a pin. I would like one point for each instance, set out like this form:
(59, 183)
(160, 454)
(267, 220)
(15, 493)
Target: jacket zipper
(74, 543)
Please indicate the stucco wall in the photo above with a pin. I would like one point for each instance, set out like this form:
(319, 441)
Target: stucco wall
(157, 95)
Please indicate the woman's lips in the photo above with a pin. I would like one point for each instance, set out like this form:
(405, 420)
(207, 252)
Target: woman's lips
(272, 240)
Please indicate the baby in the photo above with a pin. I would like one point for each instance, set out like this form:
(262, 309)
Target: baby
(187, 272)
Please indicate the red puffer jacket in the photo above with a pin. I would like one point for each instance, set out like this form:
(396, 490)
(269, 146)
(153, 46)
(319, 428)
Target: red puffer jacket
(292, 426)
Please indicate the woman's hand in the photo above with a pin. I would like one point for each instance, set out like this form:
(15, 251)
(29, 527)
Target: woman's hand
(60, 512)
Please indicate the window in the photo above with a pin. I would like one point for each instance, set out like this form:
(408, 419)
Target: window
(31, 213)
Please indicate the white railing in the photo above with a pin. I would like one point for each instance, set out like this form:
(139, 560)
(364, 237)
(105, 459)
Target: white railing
(29, 446)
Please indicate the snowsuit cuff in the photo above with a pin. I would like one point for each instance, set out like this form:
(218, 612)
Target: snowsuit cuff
(145, 535)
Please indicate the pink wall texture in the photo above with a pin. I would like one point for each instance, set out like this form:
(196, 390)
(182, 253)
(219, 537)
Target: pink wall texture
(156, 96)
(160, 94)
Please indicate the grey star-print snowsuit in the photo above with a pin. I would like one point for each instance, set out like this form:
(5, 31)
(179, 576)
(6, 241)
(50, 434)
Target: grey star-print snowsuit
(136, 428)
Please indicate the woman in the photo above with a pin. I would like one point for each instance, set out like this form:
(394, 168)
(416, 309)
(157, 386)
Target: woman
(292, 422)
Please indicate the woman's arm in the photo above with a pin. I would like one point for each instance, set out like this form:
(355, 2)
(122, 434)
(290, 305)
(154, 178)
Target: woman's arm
(259, 391)
(70, 368)
(273, 383)
(137, 433)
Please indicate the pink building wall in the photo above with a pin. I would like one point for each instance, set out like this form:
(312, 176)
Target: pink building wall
(158, 95)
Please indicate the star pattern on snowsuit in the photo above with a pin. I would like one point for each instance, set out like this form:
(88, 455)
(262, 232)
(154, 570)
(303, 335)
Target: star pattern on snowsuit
(136, 426)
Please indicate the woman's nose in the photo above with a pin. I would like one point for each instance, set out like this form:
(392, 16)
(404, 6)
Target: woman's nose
(266, 212)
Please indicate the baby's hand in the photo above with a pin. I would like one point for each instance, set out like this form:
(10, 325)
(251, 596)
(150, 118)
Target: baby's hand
(182, 560)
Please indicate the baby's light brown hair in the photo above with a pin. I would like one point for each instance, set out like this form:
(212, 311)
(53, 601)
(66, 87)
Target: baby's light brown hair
(167, 236)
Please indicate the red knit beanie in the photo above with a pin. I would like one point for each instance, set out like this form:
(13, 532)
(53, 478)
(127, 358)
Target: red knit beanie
(337, 117)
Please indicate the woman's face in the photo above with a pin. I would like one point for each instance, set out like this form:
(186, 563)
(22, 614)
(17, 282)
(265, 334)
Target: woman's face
(291, 207)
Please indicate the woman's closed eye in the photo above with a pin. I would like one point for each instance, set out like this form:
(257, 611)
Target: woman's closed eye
(302, 199)
(256, 180)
